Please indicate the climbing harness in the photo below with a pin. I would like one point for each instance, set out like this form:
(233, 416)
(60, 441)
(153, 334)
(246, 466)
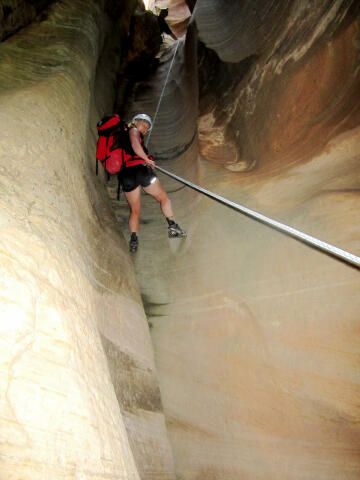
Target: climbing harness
(325, 247)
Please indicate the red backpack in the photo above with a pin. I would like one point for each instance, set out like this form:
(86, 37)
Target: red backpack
(113, 136)
(112, 142)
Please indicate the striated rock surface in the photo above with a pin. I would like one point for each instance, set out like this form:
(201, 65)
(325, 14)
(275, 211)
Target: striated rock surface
(305, 72)
(16, 14)
(254, 333)
(79, 391)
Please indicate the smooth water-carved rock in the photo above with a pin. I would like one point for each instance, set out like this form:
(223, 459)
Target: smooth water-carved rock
(71, 312)
(253, 331)
(16, 14)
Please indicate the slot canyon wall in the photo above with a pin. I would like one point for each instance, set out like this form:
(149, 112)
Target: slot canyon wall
(79, 391)
(255, 334)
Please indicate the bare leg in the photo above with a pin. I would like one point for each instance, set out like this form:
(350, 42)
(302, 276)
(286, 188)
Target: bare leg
(157, 191)
(134, 200)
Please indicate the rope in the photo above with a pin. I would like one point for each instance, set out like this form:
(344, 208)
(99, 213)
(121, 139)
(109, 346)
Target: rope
(325, 247)
(162, 93)
(166, 80)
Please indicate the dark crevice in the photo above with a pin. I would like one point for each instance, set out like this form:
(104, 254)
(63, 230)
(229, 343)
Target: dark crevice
(218, 79)
(15, 19)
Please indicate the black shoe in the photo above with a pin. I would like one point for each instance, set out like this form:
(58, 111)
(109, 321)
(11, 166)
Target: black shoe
(134, 242)
(175, 231)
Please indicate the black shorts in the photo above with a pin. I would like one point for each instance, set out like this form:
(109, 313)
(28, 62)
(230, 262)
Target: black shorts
(132, 177)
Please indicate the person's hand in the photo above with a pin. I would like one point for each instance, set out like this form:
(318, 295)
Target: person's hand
(150, 162)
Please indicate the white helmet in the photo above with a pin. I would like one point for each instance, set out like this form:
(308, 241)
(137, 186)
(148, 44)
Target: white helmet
(143, 116)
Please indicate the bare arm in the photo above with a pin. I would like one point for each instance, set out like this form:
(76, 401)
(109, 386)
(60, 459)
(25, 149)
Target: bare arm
(137, 147)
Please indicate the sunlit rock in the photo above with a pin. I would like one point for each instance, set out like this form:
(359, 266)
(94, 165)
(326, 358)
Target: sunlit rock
(79, 390)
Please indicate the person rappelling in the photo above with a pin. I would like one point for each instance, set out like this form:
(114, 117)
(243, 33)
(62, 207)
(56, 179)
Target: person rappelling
(121, 151)
(136, 174)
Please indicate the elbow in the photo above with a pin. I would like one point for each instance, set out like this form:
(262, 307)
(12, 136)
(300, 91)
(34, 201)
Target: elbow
(138, 152)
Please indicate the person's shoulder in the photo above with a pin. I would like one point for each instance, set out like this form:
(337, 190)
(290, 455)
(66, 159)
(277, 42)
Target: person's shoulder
(134, 133)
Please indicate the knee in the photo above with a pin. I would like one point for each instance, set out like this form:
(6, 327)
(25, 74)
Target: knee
(164, 198)
(135, 210)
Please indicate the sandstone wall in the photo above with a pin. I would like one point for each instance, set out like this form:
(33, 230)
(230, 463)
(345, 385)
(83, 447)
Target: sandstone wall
(254, 333)
(16, 14)
(79, 395)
